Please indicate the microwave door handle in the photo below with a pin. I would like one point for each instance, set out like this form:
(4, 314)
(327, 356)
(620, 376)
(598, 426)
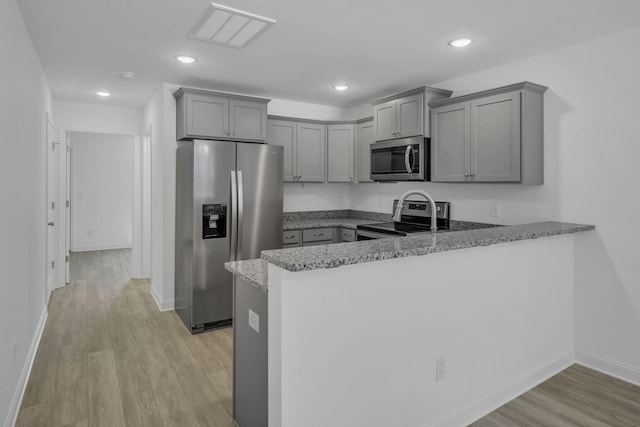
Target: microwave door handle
(407, 153)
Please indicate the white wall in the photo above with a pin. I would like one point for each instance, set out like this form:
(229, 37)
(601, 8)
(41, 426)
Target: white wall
(99, 118)
(357, 345)
(102, 191)
(315, 197)
(159, 117)
(591, 152)
(24, 100)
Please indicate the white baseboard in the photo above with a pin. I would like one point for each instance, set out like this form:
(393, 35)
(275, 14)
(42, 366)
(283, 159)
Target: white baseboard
(502, 394)
(101, 247)
(166, 305)
(607, 366)
(18, 394)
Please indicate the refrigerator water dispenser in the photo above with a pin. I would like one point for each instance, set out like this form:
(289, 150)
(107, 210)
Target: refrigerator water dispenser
(214, 221)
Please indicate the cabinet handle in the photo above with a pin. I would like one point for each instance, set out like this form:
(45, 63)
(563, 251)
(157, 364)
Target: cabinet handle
(318, 235)
(226, 132)
(232, 132)
(289, 237)
(472, 175)
(466, 175)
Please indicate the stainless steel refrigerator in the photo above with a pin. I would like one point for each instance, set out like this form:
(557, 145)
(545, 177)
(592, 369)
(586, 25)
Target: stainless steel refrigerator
(228, 207)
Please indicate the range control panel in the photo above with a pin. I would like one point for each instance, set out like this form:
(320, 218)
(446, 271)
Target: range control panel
(214, 221)
(418, 208)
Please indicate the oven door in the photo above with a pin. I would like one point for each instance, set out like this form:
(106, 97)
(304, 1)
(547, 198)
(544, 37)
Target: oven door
(372, 235)
(400, 160)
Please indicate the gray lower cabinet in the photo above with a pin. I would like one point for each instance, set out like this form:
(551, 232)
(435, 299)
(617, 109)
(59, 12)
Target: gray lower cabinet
(492, 136)
(291, 238)
(340, 153)
(250, 368)
(346, 234)
(215, 115)
(317, 236)
(364, 139)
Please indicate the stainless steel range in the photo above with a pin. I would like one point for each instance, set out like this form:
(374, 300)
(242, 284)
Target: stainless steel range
(415, 218)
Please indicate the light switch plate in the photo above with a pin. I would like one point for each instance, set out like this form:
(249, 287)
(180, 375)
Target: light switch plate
(254, 321)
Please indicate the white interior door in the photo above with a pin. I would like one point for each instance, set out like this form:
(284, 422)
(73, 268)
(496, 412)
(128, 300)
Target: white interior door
(52, 190)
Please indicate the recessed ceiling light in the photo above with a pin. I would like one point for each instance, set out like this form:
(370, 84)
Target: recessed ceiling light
(460, 42)
(340, 87)
(186, 59)
(103, 93)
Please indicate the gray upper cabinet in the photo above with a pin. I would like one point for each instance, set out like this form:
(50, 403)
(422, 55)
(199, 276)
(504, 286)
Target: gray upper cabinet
(491, 136)
(304, 149)
(284, 132)
(310, 152)
(215, 115)
(404, 115)
(248, 119)
(340, 153)
(364, 139)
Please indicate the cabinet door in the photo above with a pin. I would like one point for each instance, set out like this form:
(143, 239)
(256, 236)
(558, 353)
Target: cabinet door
(310, 152)
(281, 132)
(495, 138)
(207, 116)
(384, 120)
(364, 139)
(410, 116)
(340, 149)
(247, 120)
(450, 143)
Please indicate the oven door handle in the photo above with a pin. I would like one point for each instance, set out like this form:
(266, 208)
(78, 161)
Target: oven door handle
(408, 164)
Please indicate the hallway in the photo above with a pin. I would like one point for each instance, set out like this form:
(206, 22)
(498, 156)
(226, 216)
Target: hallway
(109, 357)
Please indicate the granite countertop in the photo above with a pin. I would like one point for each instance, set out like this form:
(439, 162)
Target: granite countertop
(253, 271)
(336, 255)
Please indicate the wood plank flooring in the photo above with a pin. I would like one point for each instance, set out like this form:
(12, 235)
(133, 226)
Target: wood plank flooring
(576, 397)
(109, 357)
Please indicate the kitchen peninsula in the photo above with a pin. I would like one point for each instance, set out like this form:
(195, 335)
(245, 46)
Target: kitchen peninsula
(413, 331)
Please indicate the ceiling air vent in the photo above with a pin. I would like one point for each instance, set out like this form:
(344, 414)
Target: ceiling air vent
(229, 27)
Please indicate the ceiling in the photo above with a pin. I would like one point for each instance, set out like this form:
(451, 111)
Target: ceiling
(376, 47)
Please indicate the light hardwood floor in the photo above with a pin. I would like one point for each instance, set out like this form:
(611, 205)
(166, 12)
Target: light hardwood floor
(576, 397)
(109, 357)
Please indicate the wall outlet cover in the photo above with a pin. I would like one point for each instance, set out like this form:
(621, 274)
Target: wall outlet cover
(254, 321)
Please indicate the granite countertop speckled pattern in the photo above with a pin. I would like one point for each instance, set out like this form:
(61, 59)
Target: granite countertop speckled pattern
(253, 271)
(336, 255)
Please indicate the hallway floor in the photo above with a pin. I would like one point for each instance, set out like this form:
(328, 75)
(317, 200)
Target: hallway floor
(109, 357)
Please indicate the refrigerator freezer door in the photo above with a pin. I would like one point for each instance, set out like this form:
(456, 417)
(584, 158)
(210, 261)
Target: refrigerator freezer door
(261, 188)
(212, 284)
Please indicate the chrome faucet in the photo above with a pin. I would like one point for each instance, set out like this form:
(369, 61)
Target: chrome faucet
(434, 212)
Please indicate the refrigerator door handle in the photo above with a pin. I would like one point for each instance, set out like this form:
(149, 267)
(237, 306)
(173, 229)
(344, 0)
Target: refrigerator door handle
(232, 224)
(240, 200)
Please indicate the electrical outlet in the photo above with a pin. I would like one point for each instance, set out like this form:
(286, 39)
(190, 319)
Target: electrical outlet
(494, 209)
(254, 321)
(441, 368)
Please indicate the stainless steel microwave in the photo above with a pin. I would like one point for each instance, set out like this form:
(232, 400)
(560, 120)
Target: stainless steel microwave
(404, 159)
